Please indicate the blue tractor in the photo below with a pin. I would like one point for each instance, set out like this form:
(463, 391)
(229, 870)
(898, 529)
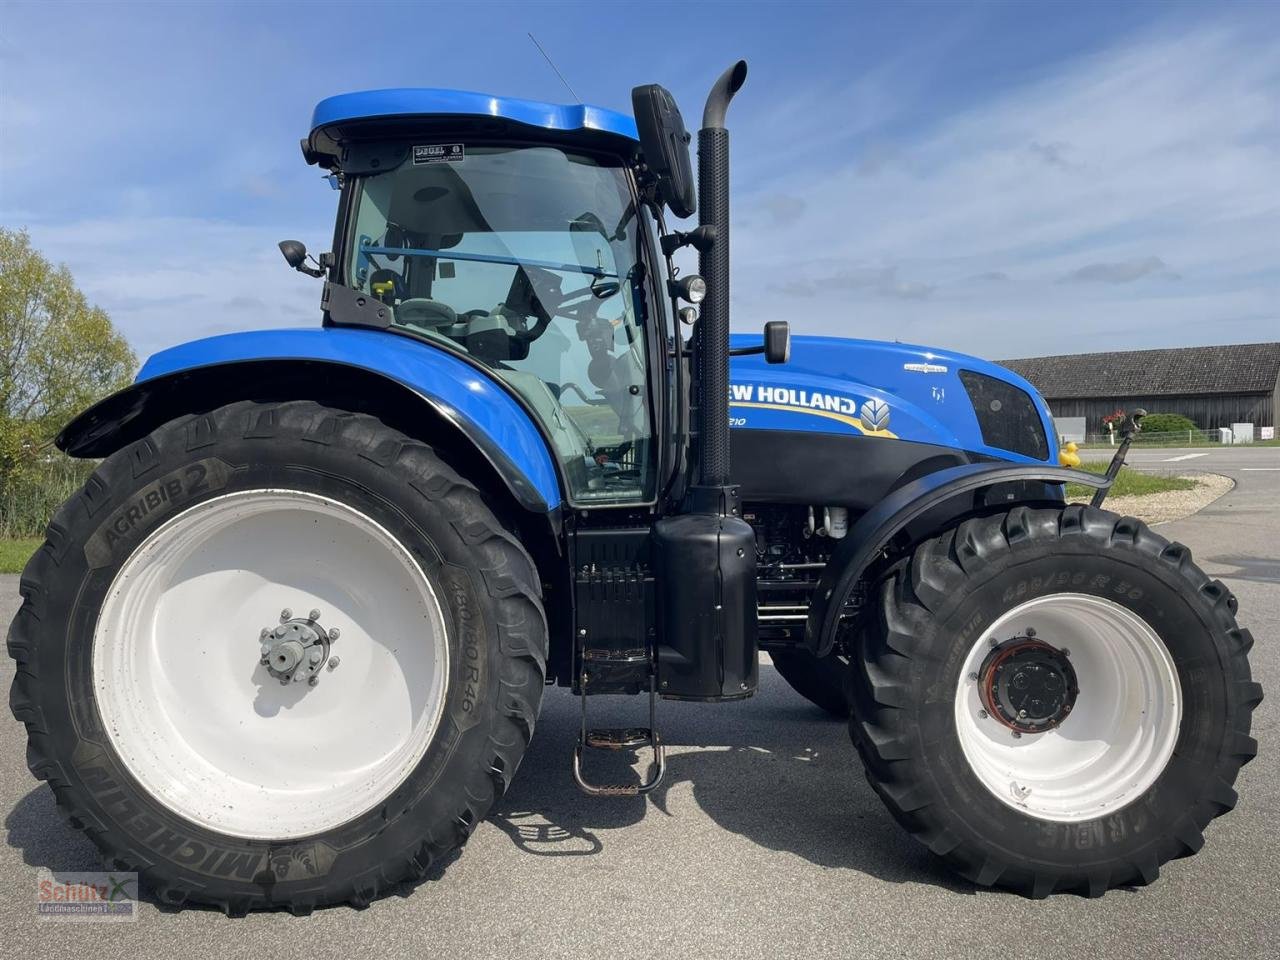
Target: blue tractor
(287, 646)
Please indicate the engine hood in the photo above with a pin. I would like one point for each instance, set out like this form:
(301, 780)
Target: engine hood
(894, 391)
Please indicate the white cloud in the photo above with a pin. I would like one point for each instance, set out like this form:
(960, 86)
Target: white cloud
(1120, 168)
(165, 280)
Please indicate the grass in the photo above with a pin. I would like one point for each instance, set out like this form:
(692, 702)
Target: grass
(29, 497)
(14, 554)
(1129, 483)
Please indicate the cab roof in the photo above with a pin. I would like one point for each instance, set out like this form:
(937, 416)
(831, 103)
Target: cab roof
(335, 115)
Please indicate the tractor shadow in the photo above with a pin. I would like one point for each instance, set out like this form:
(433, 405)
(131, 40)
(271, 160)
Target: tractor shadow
(773, 769)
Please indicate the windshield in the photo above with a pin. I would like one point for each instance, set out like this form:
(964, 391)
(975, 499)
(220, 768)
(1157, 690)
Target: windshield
(526, 258)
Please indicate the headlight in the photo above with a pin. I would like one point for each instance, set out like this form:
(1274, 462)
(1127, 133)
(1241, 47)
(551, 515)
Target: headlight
(692, 288)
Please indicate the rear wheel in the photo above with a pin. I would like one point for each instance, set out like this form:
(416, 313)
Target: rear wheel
(277, 655)
(1054, 699)
(820, 680)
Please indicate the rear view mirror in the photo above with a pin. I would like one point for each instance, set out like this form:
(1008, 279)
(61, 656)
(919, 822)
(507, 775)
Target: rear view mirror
(665, 144)
(777, 341)
(776, 346)
(295, 252)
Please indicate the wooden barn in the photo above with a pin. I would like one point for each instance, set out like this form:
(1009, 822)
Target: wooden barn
(1214, 386)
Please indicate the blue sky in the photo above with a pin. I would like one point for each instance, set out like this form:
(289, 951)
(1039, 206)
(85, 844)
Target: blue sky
(1007, 179)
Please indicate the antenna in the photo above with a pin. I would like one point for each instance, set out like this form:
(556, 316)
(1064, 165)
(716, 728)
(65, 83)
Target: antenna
(553, 66)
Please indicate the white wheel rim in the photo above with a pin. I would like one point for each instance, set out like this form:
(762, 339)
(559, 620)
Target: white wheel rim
(1118, 738)
(203, 725)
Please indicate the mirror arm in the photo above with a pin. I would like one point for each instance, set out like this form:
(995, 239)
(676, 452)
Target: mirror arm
(745, 351)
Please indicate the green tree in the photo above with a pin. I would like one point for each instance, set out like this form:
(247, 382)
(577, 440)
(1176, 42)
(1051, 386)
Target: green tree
(58, 353)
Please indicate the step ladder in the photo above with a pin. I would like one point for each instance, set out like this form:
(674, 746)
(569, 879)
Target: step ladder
(601, 664)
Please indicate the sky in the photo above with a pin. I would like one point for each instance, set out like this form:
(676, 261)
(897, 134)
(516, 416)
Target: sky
(1004, 179)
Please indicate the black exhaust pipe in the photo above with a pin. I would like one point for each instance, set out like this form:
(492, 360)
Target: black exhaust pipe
(713, 264)
(705, 557)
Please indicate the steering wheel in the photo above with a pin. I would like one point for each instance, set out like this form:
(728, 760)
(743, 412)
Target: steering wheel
(423, 312)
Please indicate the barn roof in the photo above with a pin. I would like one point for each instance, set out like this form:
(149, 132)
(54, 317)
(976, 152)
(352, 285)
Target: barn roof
(1183, 371)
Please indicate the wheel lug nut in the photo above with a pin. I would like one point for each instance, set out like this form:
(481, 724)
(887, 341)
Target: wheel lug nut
(993, 642)
(1031, 631)
(973, 676)
(313, 681)
(266, 632)
(314, 615)
(333, 663)
(1065, 652)
(1022, 714)
(266, 649)
(334, 633)
(286, 614)
(1017, 734)
(982, 714)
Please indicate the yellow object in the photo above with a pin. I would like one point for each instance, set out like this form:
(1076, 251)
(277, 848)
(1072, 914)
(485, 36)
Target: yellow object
(1067, 456)
(383, 288)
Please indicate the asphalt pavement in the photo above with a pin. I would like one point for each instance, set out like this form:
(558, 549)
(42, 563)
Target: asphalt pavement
(764, 842)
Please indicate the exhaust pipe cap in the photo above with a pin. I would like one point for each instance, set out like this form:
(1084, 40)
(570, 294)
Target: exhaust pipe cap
(722, 91)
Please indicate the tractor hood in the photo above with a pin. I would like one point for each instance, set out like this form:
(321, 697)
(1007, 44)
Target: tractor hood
(894, 391)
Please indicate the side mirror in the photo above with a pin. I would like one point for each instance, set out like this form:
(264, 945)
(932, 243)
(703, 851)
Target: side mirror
(664, 141)
(295, 254)
(777, 341)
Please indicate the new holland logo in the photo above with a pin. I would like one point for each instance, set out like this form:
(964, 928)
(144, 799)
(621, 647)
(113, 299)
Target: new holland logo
(874, 414)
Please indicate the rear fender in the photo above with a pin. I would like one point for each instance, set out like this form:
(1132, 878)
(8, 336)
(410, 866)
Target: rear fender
(416, 386)
(927, 505)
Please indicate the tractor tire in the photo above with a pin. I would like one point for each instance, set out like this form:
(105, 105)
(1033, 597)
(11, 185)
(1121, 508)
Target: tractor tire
(820, 680)
(147, 647)
(1054, 699)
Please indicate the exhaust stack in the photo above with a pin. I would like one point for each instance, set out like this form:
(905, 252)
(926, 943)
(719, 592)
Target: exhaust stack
(705, 557)
(713, 264)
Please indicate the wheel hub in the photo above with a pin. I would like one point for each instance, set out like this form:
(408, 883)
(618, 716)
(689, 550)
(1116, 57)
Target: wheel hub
(1028, 685)
(297, 649)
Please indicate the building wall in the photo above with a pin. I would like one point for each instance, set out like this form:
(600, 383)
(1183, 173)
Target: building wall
(1208, 412)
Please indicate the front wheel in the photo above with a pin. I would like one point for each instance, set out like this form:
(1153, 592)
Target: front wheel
(1054, 699)
(277, 655)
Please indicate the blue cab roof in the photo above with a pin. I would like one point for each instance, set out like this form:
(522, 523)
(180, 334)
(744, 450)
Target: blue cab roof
(414, 101)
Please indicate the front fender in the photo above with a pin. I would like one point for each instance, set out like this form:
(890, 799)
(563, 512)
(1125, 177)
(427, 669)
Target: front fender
(953, 487)
(261, 364)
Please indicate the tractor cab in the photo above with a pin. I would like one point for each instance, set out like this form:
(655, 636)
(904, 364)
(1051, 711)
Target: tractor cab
(526, 250)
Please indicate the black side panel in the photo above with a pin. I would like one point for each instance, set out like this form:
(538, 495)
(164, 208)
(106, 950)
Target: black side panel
(787, 466)
(706, 570)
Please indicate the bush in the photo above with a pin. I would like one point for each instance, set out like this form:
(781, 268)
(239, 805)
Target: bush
(1167, 423)
(29, 497)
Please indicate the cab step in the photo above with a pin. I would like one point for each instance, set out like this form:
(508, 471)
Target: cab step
(618, 738)
(607, 668)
